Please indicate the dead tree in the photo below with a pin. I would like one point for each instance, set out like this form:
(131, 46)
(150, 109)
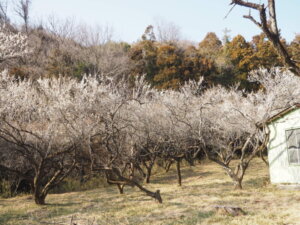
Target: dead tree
(22, 10)
(268, 24)
(4, 19)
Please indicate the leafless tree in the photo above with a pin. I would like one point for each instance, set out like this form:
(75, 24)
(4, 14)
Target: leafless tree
(167, 31)
(61, 28)
(268, 24)
(108, 57)
(4, 18)
(22, 10)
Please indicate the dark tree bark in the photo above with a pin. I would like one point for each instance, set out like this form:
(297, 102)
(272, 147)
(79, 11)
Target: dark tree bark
(41, 189)
(149, 167)
(269, 26)
(148, 175)
(178, 161)
(121, 188)
(39, 198)
(140, 170)
(168, 165)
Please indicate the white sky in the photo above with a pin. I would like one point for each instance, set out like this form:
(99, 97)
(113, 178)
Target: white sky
(129, 18)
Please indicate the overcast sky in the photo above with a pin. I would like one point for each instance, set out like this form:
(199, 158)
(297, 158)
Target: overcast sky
(129, 18)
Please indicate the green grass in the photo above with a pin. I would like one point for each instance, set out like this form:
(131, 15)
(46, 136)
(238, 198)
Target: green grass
(203, 187)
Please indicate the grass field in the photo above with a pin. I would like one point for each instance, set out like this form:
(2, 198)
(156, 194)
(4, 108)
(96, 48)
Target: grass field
(203, 187)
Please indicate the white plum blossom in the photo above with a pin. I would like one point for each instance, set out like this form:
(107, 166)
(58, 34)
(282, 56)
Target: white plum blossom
(59, 122)
(12, 45)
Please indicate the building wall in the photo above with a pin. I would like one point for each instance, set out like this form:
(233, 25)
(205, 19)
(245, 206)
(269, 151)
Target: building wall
(280, 169)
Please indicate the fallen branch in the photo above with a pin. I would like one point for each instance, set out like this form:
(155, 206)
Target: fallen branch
(114, 176)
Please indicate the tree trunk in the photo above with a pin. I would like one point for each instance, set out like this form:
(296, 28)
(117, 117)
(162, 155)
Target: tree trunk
(263, 159)
(237, 180)
(121, 188)
(38, 194)
(148, 175)
(140, 170)
(269, 27)
(120, 179)
(273, 20)
(283, 54)
(155, 195)
(82, 174)
(39, 198)
(168, 165)
(178, 171)
(149, 168)
(238, 184)
(131, 176)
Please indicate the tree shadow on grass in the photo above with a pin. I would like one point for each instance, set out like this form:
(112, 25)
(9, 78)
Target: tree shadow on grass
(257, 182)
(197, 218)
(171, 176)
(5, 218)
(68, 204)
(204, 174)
(226, 184)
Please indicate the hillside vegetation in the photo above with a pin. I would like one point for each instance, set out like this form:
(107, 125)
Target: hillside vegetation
(203, 187)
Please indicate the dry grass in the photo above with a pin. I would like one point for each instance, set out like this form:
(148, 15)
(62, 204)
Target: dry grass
(203, 187)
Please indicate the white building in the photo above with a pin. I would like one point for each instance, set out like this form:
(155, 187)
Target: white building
(284, 146)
